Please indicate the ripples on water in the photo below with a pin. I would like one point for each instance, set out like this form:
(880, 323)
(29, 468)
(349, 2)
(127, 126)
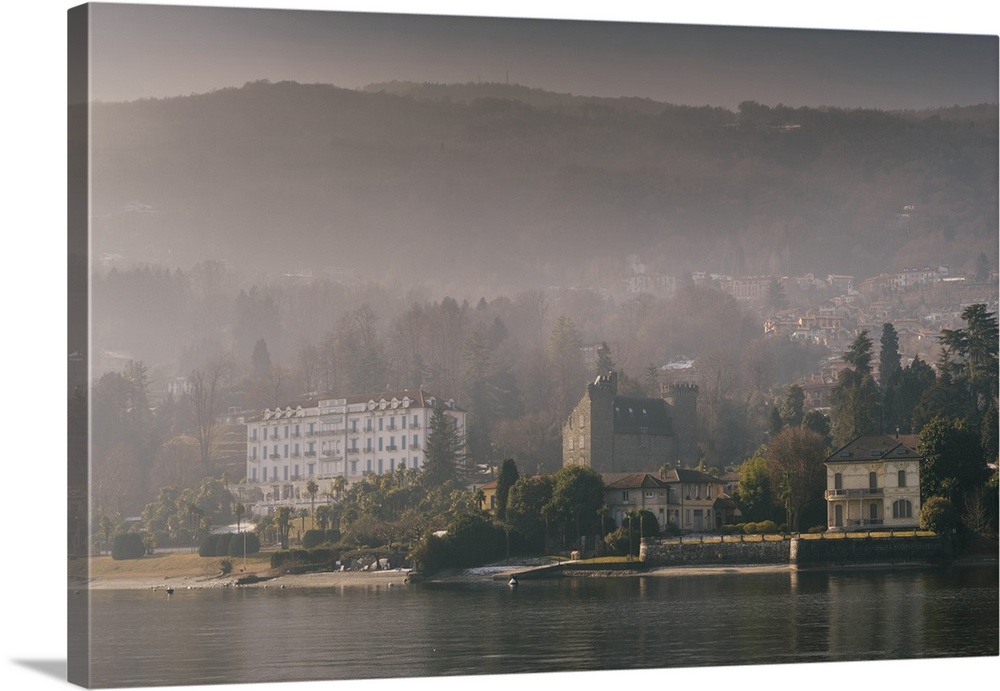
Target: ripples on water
(265, 635)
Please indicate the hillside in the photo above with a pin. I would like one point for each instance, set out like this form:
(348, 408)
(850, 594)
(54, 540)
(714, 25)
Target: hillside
(516, 186)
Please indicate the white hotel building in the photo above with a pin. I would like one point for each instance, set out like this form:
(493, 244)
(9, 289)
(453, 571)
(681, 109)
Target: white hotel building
(321, 439)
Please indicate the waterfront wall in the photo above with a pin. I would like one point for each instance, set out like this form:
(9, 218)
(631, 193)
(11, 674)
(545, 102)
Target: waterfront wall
(801, 553)
(712, 552)
(893, 550)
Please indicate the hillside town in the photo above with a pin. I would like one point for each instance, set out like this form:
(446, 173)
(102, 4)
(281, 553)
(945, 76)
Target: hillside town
(647, 446)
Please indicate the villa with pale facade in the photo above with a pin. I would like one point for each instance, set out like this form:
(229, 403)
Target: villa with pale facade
(874, 481)
(326, 438)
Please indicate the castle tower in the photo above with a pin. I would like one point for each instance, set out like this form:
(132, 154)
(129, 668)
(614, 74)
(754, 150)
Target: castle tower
(683, 400)
(587, 432)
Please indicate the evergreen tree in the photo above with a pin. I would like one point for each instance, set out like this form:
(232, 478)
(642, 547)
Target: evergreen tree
(855, 397)
(506, 477)
(889, 359)
(445, 450)
(792, 407)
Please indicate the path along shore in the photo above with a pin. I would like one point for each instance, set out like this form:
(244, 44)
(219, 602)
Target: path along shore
(390, 578)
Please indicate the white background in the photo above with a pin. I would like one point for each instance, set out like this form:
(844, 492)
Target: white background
(32, 508)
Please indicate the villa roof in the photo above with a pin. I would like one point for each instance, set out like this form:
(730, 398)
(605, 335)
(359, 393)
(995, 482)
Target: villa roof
(631, 481)
(875, 447)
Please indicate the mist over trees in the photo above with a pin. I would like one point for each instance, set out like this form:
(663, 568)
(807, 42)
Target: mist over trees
(496, 187)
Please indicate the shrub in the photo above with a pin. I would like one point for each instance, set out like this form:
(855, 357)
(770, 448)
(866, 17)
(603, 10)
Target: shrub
(939, 515)
(207, 547)
(767, 527)
(315, 538)
(226, 566)
(236, 544)
(222, 544)
(750, 528)
(816, 529)
(128, 546)
(731, 529)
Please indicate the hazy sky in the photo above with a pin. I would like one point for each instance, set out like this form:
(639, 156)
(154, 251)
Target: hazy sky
(153, 51)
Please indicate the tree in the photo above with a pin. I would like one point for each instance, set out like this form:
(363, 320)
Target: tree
(792, 407)
(566, 364)
(605, 363)
(577, 498)
(776, 298)
(795, 470)
(205, 388)
(753, 494)
(952, 463)
(527, 508)
(260, 359)
(974, 351)
(506, 477)
(889, 359)
(445, 449)
(818, 423)
(939, 515)
(283, 522)
(859, 354)
(312, 489)
(855, 396)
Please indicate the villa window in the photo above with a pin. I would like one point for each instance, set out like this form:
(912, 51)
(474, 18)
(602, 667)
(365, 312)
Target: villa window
(901, 478)
(838, 481)
(872, 480)
(902, 508)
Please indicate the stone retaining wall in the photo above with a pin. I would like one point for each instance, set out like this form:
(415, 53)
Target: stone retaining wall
(802, 553)
(692, 552)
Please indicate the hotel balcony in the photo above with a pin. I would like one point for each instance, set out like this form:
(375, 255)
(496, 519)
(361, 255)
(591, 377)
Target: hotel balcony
(854, 493)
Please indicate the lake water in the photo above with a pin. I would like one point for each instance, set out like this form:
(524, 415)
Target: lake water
(142, 638)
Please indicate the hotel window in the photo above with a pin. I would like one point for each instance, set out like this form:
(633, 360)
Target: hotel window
(253, 434)
(253, 474)
(403, 440)
(416, 464)
(264, 470)
(368, 425)
(380, 443)
(380, 422)
(368, 465)
(402, 421)
(265, 434)
(253, 453)
(354, 467)
(285, 473)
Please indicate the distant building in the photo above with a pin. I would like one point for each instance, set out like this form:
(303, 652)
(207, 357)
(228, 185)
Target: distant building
(687, 499)
(322, 439)
(874, 481)
(612, 433)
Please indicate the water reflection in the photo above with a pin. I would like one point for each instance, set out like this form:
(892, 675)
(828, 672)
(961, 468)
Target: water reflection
(217, 636)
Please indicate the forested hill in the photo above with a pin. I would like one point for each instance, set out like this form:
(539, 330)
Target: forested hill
(507, 186)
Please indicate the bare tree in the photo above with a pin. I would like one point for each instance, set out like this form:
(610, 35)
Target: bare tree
(205, 388)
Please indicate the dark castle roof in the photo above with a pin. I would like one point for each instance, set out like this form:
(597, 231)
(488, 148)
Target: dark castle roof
(633, 415)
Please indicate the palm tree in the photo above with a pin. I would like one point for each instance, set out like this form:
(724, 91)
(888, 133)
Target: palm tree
(283, 521)
(339, 485)
(312, 488)
(239, 510)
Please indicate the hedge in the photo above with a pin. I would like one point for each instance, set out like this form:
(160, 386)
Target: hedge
(128, 546)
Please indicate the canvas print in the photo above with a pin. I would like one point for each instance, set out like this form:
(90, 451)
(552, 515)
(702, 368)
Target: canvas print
(406, 346)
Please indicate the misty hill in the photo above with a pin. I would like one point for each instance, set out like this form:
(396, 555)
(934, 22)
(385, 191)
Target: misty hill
(505, 185)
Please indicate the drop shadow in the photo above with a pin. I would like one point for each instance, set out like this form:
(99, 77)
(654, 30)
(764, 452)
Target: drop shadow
(51, 668)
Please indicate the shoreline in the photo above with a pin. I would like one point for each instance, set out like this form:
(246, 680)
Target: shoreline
(399, 577)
